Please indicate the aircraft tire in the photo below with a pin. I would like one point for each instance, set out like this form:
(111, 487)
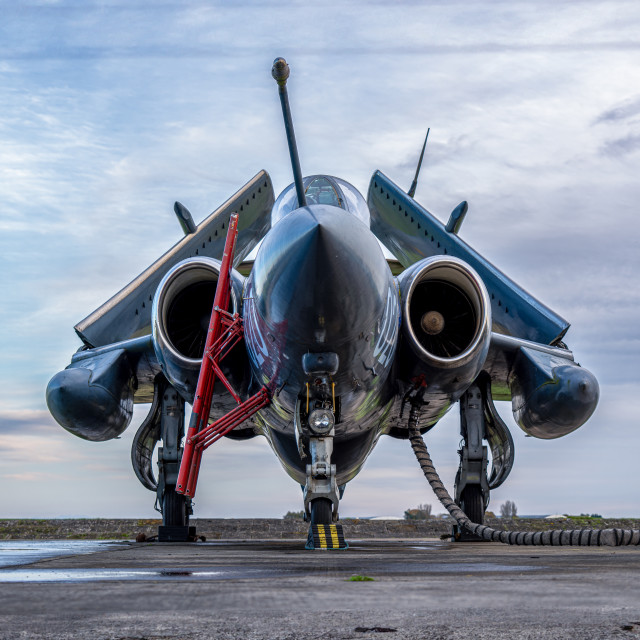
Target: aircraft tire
(174, 509)
(321, 511)
(472, 503)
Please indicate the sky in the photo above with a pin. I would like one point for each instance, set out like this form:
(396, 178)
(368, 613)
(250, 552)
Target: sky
(111, 111)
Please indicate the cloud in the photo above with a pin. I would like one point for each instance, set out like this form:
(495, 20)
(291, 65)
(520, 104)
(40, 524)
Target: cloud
(33, 450)
(29, 476)
(623, 111)
(107, 120)
(622, 146)
(27, 422)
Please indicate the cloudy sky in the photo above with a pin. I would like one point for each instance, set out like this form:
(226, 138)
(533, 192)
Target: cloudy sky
(110, 111)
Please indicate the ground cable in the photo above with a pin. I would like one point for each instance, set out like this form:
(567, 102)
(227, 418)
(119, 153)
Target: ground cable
(573, 537)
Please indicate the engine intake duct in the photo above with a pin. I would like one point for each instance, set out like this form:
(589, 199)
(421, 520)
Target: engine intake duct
(443, 318)
(446, 320)
(180, 318)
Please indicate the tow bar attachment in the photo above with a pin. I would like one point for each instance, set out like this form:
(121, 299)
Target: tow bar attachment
(225, 331)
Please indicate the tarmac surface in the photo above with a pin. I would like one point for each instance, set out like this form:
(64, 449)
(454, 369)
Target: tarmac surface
(276, 589)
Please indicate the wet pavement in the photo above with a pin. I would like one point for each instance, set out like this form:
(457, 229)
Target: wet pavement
(18, 552)
(276, 589)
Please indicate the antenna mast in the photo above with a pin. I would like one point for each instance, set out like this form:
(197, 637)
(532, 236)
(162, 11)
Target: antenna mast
(414, 184)
(280, 73)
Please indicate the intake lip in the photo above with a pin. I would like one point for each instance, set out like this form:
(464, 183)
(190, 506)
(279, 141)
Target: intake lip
(447, 294)
(180, 319)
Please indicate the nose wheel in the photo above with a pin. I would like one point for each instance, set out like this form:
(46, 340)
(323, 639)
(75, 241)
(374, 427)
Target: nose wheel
(321, 511)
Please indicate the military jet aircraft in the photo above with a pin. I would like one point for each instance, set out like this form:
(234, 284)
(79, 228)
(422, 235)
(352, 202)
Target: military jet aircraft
(348, 345)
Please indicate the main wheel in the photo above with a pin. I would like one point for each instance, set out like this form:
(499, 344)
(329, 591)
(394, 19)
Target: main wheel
(174, 508)
(472, 503)
(321, 511)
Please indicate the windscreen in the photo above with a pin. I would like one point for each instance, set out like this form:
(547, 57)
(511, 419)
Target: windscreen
(325, 190)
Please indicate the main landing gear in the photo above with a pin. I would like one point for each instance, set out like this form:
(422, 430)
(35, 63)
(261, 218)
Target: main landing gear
(165, 423)
(479, 421)
(472, 484)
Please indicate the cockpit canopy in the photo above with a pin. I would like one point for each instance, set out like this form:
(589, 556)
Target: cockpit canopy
(322, 190)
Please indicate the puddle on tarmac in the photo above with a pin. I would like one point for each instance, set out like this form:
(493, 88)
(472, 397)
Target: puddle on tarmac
(99, 575)
(16, 553)
(237, 573)
(19, 552)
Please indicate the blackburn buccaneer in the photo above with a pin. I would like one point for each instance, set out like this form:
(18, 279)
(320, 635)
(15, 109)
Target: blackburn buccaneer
(323, 344)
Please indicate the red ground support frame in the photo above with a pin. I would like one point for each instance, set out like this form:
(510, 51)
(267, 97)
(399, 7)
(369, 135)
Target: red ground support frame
(225, 331)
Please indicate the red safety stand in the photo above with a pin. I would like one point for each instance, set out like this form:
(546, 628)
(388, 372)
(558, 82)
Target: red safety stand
(225, 331)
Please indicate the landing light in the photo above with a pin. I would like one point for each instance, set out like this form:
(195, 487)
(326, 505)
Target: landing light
(321, 421)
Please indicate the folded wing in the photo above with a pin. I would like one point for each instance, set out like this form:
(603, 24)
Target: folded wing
(411, 233)
(128, 313)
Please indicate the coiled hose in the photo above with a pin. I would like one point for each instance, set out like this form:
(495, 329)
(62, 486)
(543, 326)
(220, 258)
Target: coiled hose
(575, 537)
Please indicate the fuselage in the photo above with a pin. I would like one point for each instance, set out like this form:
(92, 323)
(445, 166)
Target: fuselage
(321, 313)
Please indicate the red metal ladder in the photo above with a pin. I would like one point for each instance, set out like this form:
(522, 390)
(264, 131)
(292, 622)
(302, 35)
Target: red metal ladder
(225, 331)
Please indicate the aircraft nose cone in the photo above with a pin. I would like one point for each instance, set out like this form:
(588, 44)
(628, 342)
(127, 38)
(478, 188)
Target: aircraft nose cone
(323, 274)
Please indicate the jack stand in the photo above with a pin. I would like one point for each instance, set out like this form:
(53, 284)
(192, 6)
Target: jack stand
(472, 485)
(177, 534)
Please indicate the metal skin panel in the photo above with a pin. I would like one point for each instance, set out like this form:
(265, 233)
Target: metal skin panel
(142, 360)
(411, 232)
(551, 396)
(320, 284)
(128, 313)
(320, 290)
(503, 351)
(93, 398)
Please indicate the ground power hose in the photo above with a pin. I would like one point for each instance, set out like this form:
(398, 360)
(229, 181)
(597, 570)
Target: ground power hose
(573, 537)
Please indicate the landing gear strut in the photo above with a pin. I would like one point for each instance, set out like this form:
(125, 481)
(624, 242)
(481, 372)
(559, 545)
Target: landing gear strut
(175, 508)
(315, 433)
(321, 494)
(472, 483)
(165, 423)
